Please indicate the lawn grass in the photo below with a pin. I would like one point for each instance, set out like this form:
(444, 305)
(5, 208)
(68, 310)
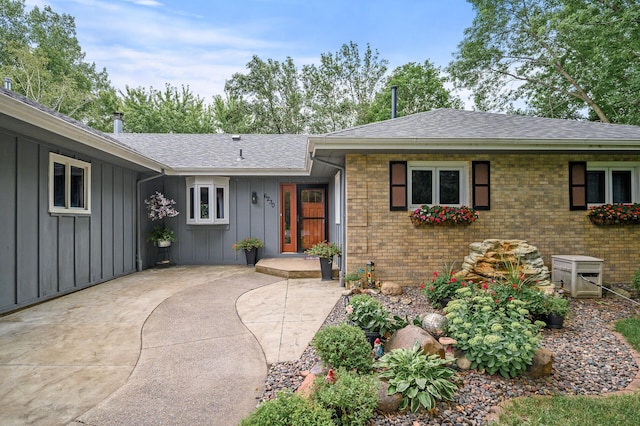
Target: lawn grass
(579, 410)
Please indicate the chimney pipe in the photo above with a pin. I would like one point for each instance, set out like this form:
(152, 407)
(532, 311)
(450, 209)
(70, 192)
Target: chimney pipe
(117, 122)
(7, 83)
(394, 101)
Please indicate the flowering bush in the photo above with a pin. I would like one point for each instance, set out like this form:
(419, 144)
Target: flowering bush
(440, 215)
(368, 313)
(442, 285)
(609, 214)
(496, 338)
(160, 207)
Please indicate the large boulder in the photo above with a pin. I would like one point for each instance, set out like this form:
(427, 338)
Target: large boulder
(390, 288)
(541, 364)
(408, 336)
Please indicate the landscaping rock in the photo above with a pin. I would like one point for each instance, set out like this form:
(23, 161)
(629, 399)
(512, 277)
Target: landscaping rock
(463, 362)
(388, 403)
(541, 364)
(408, 336)
(390, 288)
(307, 384)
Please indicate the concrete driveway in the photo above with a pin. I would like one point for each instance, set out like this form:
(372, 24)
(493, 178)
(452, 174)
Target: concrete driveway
(184, 345)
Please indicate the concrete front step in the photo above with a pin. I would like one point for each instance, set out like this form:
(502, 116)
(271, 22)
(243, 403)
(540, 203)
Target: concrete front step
(294, 267)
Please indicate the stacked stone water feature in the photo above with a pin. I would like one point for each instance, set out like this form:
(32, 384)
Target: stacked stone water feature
(491, 259)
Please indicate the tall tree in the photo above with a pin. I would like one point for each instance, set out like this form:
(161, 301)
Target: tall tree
(562, 58)
(420, 87)
(232, 115)
(39, 51)
(170, 111)
(341, 89)
(272, 92)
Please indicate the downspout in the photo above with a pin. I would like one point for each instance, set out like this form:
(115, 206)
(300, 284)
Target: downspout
(138, 212)
(343, 211)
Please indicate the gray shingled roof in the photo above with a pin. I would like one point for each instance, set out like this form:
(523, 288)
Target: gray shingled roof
(462, 124)
(220, 151)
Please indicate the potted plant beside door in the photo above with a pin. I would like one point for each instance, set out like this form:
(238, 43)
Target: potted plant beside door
(250, 247)
(325, 252)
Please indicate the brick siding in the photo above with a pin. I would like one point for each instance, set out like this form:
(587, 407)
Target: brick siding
(529, 201)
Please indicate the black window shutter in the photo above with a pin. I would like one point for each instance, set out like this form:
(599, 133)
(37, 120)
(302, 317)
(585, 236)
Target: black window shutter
(397, 185)
(577, 185)
(481, 181)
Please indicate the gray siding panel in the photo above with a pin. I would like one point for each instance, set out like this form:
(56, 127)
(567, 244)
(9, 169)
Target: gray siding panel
(96, 222)
(48, 233)
(8, 220)
(26, 223)
(118, 224)
(66, 253)
(82, 250)
(129, 228)
(106, 216)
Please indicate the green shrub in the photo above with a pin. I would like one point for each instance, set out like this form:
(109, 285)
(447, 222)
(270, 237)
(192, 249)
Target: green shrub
(496, 338)
(635, 281)
(368, 313)
(288, 409)
(343, 345)
(421, 379)
(352, 398)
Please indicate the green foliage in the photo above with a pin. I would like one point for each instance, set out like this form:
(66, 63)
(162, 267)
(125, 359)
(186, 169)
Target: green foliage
(39, 51)
(534, 299)
(497, 338)
(248, 244)
(421, 379)
(324, 249)
(635, 281)
(537, 52)
(421, 87)
(170, 111)
(161, 233)
(630, 329)
(556, 304)
(352, 397)
(368, 313)
(343, 345)
(286, 410)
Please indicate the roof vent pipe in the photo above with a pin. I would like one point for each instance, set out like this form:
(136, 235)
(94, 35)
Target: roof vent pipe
(7, 83)
(394, 101)
(117, 122)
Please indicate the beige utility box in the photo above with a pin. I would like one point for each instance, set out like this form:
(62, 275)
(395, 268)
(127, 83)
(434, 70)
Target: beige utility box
(567, 271)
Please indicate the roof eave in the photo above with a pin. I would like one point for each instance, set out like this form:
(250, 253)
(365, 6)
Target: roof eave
(188, 171)
(27, 113)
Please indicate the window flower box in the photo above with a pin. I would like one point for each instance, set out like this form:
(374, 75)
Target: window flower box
(443, 215)
(615, 214)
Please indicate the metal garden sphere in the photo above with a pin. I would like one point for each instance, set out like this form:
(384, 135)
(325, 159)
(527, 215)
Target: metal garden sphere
(435, 324)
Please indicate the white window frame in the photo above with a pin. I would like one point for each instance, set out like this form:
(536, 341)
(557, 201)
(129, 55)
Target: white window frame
(212, 183)
(436, 167)
(69, 162)
(608, 168)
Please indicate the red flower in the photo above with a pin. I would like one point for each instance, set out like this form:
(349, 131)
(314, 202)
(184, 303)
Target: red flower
(497, 301)
(421, 286)
(453, 280)
(485, 286)
(514, 285)
(431, 288)
(510, 299)
(463, 284)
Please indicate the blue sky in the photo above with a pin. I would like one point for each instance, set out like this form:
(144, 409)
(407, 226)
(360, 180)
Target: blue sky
(202, 43)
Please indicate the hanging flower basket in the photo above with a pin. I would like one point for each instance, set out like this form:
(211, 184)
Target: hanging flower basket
(615, 214)
(443, 215)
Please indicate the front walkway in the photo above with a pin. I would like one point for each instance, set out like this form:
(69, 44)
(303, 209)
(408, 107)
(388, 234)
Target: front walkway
(156, 347)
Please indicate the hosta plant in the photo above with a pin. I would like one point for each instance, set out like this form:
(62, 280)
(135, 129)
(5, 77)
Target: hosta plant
(496, 338)
(421, 379)
(368, 313)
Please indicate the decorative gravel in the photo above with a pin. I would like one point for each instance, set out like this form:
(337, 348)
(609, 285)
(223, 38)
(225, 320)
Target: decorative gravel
(589, 360)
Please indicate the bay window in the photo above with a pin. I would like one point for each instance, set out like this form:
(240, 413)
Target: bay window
(207, 200)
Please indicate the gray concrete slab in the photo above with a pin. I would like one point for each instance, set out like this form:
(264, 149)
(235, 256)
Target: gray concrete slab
(158, 347)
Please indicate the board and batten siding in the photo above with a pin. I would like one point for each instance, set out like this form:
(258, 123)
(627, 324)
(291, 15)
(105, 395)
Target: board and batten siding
(45, 255)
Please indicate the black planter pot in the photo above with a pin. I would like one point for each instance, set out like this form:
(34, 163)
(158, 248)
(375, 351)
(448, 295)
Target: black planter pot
(554, 320)
(252, 256)
(444, 302)
(325, 268)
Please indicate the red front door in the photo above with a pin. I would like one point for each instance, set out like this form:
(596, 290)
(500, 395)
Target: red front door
(303, 216)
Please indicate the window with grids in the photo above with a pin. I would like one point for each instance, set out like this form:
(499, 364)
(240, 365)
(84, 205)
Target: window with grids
(437, 184)
(69, 185)
(207, 200)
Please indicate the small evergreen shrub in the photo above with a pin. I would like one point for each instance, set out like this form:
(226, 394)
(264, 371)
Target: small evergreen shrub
(343, 345)
(635, 282)
(352, 398)
(288, 409)
(421, 379)
(495, 337)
